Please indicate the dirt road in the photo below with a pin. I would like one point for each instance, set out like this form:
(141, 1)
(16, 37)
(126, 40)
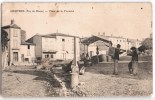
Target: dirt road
(99, 81)
(27, 82)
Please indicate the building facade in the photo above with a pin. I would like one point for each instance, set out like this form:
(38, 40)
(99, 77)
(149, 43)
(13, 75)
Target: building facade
(125, 43)
(19, 52)
(56, 46)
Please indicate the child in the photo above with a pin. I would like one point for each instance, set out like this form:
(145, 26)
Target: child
(134, 60)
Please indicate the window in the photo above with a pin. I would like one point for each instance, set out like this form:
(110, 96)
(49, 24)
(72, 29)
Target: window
(38, 58)
(63, 47)
(63, 40)
(52, 56)
(15, 56)
(15, 43)
(26, 59)
(46, 56)
(28, 53)
(15, 33)
(120, 40)
(28, 46)
(46, 39)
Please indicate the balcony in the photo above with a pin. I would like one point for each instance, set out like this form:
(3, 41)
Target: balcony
(49, 51)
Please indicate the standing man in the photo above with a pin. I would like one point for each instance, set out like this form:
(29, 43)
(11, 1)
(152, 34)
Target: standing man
(116, 58)
(114, 53)
(97, 52)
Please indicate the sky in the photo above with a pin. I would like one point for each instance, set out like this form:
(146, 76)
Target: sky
(129, 20)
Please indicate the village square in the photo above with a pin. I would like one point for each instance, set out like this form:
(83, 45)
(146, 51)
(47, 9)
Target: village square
(59, 64)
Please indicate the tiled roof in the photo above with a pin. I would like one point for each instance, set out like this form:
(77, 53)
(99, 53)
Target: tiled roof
(48, 36)
(93, 39)
(11, 26)
(60, 34)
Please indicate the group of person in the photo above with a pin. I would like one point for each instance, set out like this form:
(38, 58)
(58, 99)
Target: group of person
(133, 65)
(85, 58)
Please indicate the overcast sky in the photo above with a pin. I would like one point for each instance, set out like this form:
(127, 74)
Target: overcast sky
(130, 20)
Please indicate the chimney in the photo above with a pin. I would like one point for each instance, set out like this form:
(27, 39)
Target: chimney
(12, 21)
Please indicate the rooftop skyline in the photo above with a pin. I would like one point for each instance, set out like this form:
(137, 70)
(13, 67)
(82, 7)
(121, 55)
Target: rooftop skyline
(129, 20)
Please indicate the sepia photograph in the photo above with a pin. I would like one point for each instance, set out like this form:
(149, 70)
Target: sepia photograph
(77, 49)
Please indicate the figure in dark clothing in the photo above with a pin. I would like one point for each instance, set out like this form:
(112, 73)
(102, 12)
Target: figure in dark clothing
(116, 58)
(117, 52)
(114, 53)
(134, 55)
(86, 61)
(134, 61)
(82, 57)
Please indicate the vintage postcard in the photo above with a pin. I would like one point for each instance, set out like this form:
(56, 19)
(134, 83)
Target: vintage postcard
(76, 49)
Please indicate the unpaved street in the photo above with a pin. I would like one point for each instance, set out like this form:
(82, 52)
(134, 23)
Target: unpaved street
(29, 82)
(99, 81)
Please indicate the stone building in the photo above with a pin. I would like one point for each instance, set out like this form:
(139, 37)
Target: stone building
(19, 51)
(56, 46)
(125, 43)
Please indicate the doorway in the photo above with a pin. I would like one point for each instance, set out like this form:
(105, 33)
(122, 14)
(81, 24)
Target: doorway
(15, 56)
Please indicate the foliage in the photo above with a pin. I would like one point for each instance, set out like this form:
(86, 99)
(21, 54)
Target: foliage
(147, 43)
(142, 48)
(4, 39)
